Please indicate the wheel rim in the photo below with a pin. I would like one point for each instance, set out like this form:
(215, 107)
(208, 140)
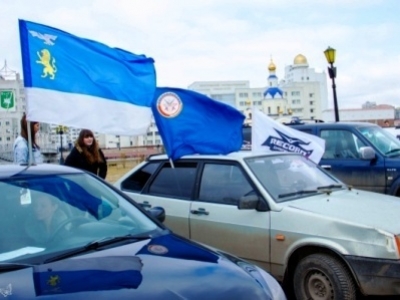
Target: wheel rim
(319, 287)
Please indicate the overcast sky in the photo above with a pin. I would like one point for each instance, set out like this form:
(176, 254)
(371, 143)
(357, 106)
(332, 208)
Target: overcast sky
(212, 40)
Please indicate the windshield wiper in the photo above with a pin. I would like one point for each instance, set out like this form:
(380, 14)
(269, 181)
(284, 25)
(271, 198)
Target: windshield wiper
(392, 151)
(97, 244)
(331, 186)
(5, 267)
(302, 192)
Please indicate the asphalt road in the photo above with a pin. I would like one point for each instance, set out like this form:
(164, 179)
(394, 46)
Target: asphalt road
(371, 298)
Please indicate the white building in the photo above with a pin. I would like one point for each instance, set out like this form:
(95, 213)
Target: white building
(305, 89)
(238, 94)
(376, 114)
(107, 141)
(12, 106)
(302, 92)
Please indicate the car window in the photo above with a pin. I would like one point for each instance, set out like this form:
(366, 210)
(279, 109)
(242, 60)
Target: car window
(47, 214)
(289, 177)
(177, 181)
(341, 144)
(137, 180)
(384, 141)
(223, 183)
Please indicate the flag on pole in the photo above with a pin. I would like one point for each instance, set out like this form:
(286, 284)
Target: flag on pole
(269, 135)
(83, 83)
(190, 123)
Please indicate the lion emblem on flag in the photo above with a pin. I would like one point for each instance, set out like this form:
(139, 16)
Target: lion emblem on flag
(48, 62)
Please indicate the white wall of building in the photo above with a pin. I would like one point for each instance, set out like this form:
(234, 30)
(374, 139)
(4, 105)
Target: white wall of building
(371, 115)
(10, 117)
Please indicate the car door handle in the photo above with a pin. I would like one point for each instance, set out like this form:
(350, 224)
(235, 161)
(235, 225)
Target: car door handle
(145, 204)
(200, 211)
(326, 167)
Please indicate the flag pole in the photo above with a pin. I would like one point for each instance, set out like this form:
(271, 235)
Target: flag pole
(30, 161)
(172, 163)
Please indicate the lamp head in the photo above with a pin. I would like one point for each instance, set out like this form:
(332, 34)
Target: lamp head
(330, 54)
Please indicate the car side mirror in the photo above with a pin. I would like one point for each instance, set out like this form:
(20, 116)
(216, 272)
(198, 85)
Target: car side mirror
(367, 153)
(248, 202)
(158, 213)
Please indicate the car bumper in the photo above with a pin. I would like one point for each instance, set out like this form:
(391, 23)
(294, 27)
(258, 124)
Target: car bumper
(376, 276)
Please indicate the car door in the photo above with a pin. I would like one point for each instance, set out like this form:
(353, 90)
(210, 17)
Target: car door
(171, 187)
(343, 160)
(215, 219)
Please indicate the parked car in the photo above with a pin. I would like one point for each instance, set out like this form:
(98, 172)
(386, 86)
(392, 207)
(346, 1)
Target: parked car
(321, 238)
(363, 155)
(66, 234)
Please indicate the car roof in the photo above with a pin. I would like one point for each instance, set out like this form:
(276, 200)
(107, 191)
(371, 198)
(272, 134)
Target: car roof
(335, 124)
(230, 156)
(9, 170)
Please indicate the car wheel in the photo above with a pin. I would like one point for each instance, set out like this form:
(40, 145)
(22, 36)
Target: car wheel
(323, 277)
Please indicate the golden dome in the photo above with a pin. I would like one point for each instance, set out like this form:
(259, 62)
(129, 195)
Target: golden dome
(271, 66)
(300, 59)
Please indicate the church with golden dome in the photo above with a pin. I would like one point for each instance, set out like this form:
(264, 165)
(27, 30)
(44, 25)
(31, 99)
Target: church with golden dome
(301, 92)
(272, 89)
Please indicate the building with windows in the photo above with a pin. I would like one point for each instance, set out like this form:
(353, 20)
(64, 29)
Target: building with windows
(305, 89)
(302, 92)
(12, 106)
(368, 112)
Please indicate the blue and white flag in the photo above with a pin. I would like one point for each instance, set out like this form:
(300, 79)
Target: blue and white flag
(192, 123)
(85, 84)
(88, 274)
(269, 135)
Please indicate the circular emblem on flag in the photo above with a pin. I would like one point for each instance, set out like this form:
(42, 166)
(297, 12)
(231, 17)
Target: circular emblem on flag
(157, 249)
(169, 105)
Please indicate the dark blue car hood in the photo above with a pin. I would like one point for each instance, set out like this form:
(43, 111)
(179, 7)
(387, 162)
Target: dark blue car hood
(166, 267)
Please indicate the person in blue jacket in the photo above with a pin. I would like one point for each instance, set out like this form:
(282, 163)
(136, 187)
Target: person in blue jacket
(20, 147)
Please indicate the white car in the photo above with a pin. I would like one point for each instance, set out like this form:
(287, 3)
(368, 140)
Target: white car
(321, 238)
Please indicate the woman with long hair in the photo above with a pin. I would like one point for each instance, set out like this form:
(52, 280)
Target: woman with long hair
(86, 155)
(21, 148)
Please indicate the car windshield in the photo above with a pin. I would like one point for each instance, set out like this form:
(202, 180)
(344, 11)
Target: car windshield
(289, 177)
(385, 142)
(42, 216)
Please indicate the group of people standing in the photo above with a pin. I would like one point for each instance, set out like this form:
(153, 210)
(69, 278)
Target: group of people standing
(85, 155)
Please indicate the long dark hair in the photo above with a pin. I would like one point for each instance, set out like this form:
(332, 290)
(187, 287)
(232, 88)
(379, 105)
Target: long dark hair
(24, 130)
(91, 153)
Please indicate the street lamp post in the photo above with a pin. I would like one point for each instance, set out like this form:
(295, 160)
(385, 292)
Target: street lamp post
(61, 130)
(330, 57)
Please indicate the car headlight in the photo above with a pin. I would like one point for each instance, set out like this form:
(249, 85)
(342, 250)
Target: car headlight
(269, 284)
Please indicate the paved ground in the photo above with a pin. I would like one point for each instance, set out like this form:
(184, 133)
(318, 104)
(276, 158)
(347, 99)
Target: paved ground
(118, 168)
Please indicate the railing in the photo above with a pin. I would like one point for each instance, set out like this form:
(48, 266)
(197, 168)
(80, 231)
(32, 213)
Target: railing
(6, 153)
(52, 155)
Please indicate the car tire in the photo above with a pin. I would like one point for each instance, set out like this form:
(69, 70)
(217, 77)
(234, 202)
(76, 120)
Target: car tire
(322, 276)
